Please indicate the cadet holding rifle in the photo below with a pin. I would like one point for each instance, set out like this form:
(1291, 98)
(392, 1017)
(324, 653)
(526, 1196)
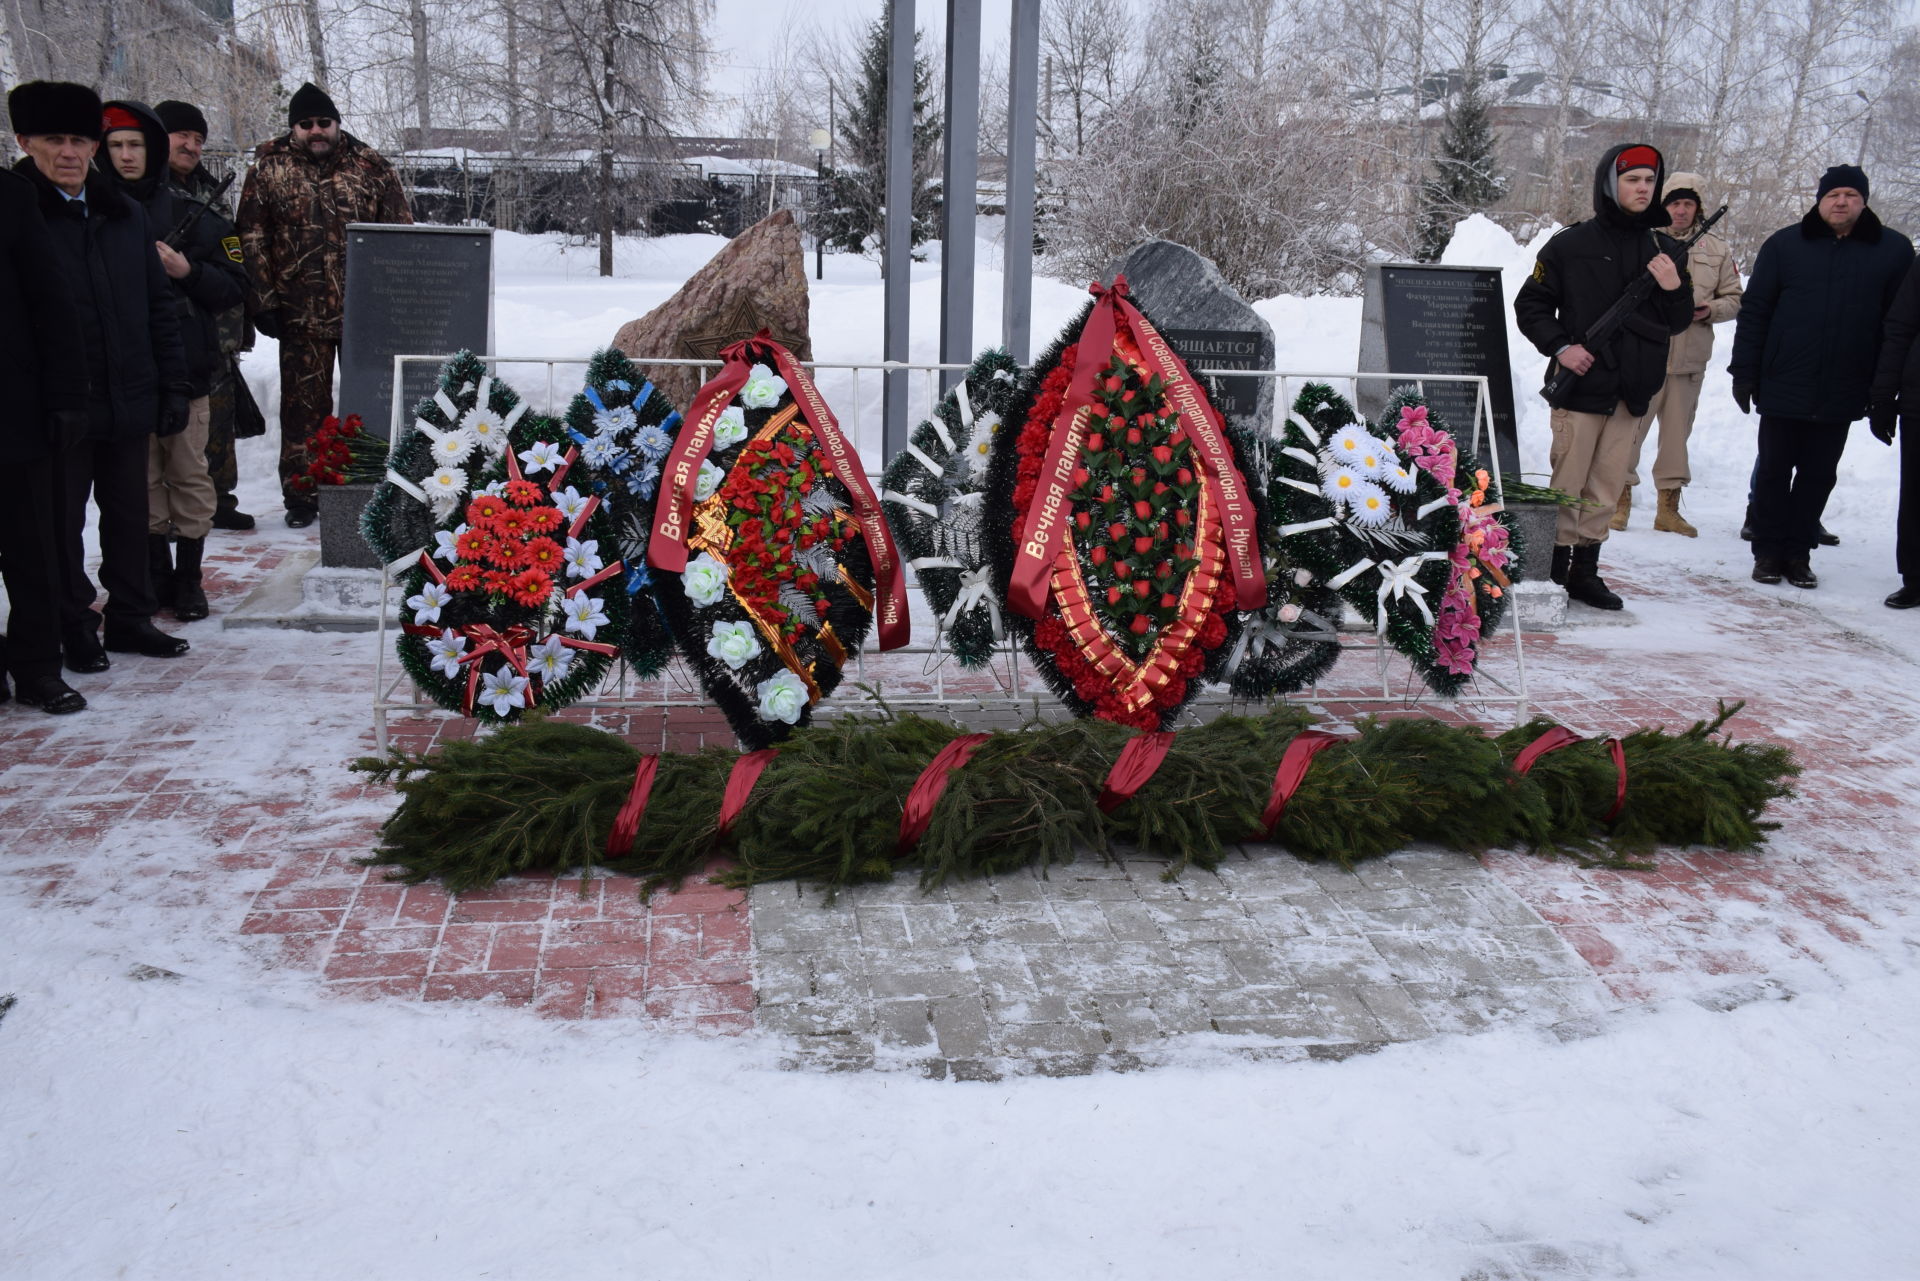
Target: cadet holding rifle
(1602, 379)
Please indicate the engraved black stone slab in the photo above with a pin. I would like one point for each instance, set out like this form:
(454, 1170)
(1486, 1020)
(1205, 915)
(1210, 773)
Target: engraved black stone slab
(1430, 319)
(1206, 322)
(416, 291)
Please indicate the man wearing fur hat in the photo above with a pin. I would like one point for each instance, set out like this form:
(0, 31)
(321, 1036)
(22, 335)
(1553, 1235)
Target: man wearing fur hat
(1804, 352)
(207, 279)
(187, 134)
(1581, 273)
(1716, 297)
(304, 188)
(136, 369)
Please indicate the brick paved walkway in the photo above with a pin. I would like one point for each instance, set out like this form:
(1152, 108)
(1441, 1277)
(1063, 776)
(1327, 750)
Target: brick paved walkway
(211, 790)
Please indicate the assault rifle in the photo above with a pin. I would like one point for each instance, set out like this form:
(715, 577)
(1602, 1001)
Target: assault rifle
(1602, 330)
(197, 207)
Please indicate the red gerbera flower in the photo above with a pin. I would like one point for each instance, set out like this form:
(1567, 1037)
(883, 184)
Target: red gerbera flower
(524, 493)
(530, 587)
(464, 578)
(485, 508)
(543, 520)
(543, 554)
(476, 544)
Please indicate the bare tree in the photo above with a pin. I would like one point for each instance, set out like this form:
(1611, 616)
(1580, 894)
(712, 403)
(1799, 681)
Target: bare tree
(1082, 51)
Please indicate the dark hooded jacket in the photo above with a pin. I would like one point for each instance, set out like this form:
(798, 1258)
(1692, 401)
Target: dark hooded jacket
(128, 322)
(1896, 376)
(1583, 271)
(43, 364)
(216, 281)
(1809, 329)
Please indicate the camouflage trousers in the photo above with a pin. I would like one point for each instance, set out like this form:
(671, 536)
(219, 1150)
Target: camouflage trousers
(306, 399)
(222, 466)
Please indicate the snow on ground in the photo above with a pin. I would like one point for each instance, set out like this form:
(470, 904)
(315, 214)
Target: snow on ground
(233, 1123)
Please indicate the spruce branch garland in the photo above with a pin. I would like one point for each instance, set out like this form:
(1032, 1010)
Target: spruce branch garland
(542, 795)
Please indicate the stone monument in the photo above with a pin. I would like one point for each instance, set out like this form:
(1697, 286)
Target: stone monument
(759, 281)
(411, 291)
(1428, 319)
(1207, 322)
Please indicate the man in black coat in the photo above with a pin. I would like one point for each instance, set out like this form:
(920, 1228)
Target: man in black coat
(44, 371)
(1581, 273)
(207, 280)
(1894, 401)
(136, 369)
(1804, 352)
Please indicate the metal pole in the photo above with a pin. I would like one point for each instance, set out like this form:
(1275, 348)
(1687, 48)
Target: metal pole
(896, 253)
(1023, 85)
(959, 186)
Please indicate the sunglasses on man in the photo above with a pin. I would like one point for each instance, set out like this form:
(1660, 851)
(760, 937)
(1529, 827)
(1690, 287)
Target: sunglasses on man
(315, 123)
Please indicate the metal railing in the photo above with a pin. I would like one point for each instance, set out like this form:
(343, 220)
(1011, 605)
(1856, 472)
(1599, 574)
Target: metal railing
(920, 674)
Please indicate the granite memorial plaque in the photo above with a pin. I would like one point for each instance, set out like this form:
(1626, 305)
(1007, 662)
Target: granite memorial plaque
(415, 291)
(1206, 322)
(1430, 319)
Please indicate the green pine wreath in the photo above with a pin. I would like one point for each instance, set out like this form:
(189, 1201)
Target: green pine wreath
(934, 494)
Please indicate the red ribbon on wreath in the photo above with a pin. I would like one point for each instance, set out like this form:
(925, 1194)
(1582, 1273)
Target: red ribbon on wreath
(740, 780)
(1045, 529)
(917, 814)
(1560, 736)
(1306, 745)
(673, 519)
(1134, 767)
(510, 644)
(626, 824)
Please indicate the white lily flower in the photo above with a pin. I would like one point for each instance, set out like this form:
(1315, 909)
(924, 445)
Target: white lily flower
(551, 659)
(584, 614)
(570, 502)
(503, 690)
(426, 604)
(544, 456)
(583, 557)
(447, 649)
(445, 540)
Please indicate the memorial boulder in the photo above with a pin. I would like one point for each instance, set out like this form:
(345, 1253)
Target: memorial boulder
(759, 281)
(1206, 322)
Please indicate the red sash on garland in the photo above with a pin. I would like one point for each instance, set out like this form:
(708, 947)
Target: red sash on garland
(673, 516)
(1045, 529)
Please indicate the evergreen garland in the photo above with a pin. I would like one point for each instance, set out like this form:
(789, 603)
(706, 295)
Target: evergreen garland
(960, 447)
(543, 796)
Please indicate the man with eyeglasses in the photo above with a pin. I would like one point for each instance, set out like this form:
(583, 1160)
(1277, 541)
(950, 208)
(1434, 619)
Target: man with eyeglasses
(304, 188)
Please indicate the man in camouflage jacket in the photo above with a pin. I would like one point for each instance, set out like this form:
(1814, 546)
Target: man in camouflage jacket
(303, 190)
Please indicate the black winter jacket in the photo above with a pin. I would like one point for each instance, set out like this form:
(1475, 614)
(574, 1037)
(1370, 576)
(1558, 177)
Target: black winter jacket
(1809, 328)
(126, 304)
(43, 365)
(1579, 274)
(216, 280)
(1896, 375)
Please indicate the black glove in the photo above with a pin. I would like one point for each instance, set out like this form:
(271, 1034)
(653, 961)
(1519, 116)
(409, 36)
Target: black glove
(1743, 397)
(1881, 420)
(173, 413)
(269, 323)
(66, 428)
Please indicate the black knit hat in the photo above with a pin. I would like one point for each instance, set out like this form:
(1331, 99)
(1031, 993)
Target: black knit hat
(1681, 193)
(54, 106)
(1844, 176)
(182, 117)
(310, 101)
